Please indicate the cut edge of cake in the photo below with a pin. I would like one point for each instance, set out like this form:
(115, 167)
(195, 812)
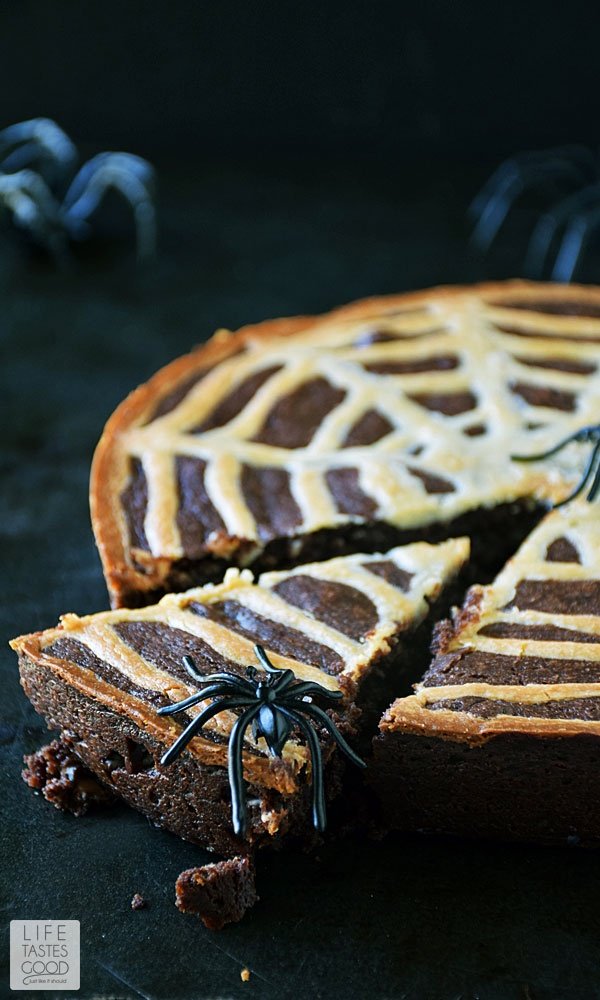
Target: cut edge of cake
(501, 737)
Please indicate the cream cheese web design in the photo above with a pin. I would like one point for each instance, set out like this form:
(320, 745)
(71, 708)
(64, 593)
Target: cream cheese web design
(400, 411)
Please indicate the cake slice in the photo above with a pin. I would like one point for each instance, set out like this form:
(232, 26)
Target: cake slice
(101, 680)
(502, 736)
(388, 421)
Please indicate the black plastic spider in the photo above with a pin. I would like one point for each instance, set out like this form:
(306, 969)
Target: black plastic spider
(52, 204)
(273, 706)
(587, 435)
(567, 178)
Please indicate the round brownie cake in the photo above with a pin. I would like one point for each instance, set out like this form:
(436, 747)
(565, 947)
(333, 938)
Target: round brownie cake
(385, 421)
(341, 457)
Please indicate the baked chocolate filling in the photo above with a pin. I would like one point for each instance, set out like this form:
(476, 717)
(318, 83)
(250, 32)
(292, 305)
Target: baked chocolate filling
(387, 336)
(197, 516)
(371, 427)
(174, 398)
(344, 486)
(587, 709)
(233, 404)
(134, 500)
(295, 418)
(562, 550)
(540, 633)
(432, 484)
(436, 363)
(165, 647)
(77, 652)
(494, 668)
(553, 307)
(451, 404)
(538, 395)
(273, 635)
(567, 335)
(338, 605)
(558, 365)
(390, 572)
(269, 497)
(559, 597)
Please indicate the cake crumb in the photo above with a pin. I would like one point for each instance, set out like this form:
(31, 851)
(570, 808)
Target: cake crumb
(245, 975)
(138, 902)
(56, 772)
(219, 893)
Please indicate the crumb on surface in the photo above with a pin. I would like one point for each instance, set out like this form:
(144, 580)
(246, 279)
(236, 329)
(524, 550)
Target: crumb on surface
(245, 975)
(56, 772)
(218, 893)
(138, 902)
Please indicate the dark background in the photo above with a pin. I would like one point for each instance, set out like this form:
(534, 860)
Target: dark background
(460, 80)
(307, 155)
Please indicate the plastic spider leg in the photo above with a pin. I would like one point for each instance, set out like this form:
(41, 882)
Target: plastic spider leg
(38, 143)
(582, 436)
(235, 770)
(511, 181)
(318, 787)
(574, 242)
(33, 208)
(595, 487)
(591, 470)
(190, 731)
(190, 665)
(212, 691)
(132, 177)
(284, 677)
(320, 716)
(580, 156)
(315, 690)
(551, 223)
(225, 676)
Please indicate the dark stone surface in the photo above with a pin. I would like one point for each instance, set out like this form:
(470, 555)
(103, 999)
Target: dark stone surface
(405, 918)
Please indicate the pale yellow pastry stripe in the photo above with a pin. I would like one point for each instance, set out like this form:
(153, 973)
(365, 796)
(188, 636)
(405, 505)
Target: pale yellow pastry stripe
(457, 323)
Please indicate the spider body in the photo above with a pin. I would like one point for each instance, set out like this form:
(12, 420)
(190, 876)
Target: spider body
(55, 205)
(273, 705)
(591, 474)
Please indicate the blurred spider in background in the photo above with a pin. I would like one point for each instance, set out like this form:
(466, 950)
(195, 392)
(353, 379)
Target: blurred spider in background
(566, 183)
(56, 205)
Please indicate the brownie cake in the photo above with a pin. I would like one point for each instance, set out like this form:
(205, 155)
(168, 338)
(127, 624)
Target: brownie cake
(101, 680)
(502, 736)
(219, 893)
(388, 420)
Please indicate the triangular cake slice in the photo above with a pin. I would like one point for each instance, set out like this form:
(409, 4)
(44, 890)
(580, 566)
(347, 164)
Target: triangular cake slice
(502, 736)
(100, 679)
